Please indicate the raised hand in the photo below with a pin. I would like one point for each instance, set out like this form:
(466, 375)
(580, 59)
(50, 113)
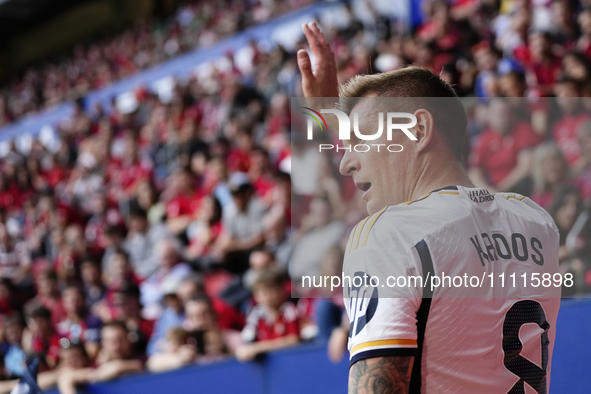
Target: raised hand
(322, 82)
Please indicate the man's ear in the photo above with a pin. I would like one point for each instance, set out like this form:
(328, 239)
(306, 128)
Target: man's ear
(424, 128)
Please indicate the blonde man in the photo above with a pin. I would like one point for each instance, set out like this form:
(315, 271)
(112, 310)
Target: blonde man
(427, 219)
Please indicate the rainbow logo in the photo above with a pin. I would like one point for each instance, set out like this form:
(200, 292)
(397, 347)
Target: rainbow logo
(315, 118)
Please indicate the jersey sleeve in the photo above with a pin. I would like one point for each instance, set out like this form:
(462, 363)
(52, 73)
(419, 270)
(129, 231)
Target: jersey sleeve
(382, 315)
(391, 331)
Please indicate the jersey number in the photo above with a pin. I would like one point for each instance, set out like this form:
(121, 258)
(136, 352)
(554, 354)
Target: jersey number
(522, 312)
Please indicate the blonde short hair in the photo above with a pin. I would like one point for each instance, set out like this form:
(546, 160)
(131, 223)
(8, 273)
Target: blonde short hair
(420, 88)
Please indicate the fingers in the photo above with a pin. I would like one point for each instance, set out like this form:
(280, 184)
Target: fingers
(313, 41)
(319, 36)
(322, 82)
(305, 65)
(318, 43)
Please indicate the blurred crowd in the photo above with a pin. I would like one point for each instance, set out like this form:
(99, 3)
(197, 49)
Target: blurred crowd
(149, 42)
(161, 236)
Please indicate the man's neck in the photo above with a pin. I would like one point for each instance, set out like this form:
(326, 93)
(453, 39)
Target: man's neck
(434, 177)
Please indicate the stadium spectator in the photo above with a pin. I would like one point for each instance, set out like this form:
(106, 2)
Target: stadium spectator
(242, 223)
(125, 307)
(329, 186)
(114, 238)
(78, 325)
(143, 46)
(583, 180)
(549, 171)
(14, 355)
(131, 169)
(502, 156)
(583, 44)
(542, 64)
(176, 297)
(564, 131)
(177, 352)
(48, 296)
(146, 198)
(71, 358)
(119, 273)
(566, 206)
(239, 291)
(577, 67)
(170, 269)
(94, 289)
(182, 202)
(273, 323)
(319, 232)
(204, 233)
(201, 321)
(172, 313)
(277, 241)
(14, 257)
(141, 241)
(40, 337)
(114, 359)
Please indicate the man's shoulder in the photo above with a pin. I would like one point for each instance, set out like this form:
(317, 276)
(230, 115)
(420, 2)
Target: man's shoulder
(524, 207)
(402, 226)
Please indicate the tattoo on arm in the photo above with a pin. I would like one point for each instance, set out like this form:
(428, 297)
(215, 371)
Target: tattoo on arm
(384, 375)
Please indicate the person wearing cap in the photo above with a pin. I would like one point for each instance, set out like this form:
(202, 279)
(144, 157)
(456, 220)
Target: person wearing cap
(126, 307)
(242, 223)
(116, 358)
(84, 180)
(141, 240)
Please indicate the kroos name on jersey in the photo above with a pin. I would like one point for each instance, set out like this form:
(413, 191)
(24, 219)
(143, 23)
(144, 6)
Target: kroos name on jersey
(496, 247)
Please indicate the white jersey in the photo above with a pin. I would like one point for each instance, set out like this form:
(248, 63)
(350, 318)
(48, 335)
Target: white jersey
(487, 328)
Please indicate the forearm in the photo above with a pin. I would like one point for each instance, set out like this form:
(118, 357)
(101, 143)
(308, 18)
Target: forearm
(337, 343)
(48, 379)
(68, 380)
(114, 369)
(513, 178)
(249, 243)
(7, 386)
(510, 181)
(383, 375)
(161, 362)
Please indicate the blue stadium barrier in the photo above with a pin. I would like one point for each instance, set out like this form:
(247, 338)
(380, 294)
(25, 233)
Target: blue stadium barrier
(306, 369)
(571, 362)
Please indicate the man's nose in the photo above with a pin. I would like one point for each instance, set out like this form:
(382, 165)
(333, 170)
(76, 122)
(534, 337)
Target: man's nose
(349, 164)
